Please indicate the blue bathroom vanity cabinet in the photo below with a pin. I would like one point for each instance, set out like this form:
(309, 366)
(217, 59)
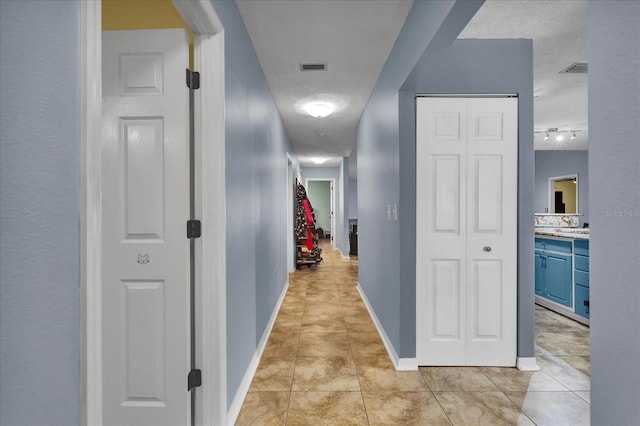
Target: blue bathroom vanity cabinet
(562, 274)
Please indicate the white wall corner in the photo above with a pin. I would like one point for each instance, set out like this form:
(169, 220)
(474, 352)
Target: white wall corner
(243, 389)
(527, 364)
(343, 256)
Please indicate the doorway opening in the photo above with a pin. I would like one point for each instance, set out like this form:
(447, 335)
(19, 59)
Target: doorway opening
(322, 198)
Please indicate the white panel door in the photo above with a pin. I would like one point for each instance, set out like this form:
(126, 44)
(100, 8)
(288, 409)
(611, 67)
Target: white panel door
(145, 276)
(466, 171)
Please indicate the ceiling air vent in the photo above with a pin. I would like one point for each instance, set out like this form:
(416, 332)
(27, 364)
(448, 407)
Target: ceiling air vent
(575, 68)
(313, 67)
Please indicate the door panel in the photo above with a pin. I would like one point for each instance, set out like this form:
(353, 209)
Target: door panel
(446, 192)
(558, 278)
(145, 311)
(466, 153)
(143, 172)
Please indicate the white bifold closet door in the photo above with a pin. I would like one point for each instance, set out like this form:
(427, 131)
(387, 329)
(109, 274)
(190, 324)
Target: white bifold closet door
(466, 231)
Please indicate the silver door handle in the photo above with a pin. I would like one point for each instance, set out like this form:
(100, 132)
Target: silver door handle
(486, 248)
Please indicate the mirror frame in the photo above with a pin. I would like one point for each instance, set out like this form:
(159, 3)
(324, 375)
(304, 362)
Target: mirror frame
(552, 188)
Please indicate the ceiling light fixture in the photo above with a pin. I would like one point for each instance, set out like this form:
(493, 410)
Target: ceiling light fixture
(318, 160)
(318, 109)
(558, 134)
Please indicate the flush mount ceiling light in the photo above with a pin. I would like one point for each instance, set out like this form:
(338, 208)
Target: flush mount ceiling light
(318, 109)
(318, 160)
(559, 134)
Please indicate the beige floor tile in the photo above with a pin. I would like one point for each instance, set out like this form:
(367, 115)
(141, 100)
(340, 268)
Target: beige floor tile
(512, 379)
(325, 374)
(349, 295)
(457, 379)
(362, 327)
(403, 408)
(273, 374)
(579, 362)
(323, 310)
(563, 344)
(481, 408)
(378, 375)
(356, 309)
(291, 324)
(323, 297)
(366, 345)
(264, 408)
(291, 310)
(585, 395)
(326, 364)
(283, 344)
(324, 345)
(326, 408)
(564, 373)
(552, 408)
(323, 325)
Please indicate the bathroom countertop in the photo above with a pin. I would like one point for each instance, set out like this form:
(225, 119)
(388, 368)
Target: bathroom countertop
(575, 233)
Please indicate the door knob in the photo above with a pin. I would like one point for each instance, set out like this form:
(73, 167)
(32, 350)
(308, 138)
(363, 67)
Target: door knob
(486, 248)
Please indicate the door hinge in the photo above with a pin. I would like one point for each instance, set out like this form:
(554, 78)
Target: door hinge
(194, 229)
(193, 79)
(194, 379)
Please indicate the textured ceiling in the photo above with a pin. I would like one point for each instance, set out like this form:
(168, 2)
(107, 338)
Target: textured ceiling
(559, 32)
(354, 38)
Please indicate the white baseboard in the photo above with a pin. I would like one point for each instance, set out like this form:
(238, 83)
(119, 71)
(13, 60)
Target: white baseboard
(527, 364)
(407, 364)
(243, 389)
(400, 364)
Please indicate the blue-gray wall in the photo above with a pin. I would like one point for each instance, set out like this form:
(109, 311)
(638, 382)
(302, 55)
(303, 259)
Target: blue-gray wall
(386, 162)
(430, 28)
(614, 206)
(256, 178)
(562, 163)
(39, 213)
(353, 199)
(476, 67)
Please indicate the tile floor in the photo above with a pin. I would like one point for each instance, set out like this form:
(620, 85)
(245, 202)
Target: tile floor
(325, 364)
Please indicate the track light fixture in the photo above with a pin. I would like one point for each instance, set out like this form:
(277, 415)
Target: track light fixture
(558, 134)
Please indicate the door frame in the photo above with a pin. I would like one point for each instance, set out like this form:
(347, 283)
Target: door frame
(332, 203)
(210, 207)
(552, 199)
(290, 209)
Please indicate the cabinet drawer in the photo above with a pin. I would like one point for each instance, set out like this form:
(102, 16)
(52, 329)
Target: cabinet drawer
(581, 278)
(581, 262)
(581, 247)
(582, 296)
(554, 245)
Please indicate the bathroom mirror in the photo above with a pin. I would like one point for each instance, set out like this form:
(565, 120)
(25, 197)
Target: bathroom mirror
(563, 194)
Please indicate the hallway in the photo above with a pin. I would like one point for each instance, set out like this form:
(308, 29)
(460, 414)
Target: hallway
(325, 363)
